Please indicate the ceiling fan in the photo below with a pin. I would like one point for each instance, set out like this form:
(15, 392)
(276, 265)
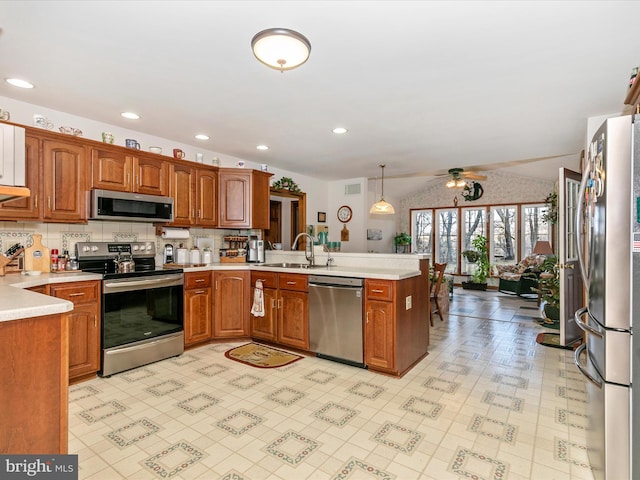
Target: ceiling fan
(458, 177)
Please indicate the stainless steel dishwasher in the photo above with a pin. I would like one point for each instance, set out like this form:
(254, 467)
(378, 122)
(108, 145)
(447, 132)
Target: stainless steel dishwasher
(335, 318)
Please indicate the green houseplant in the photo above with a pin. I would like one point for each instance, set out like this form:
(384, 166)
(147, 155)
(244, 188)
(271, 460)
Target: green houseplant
(402, 238)
(479, 277)
(550, 287)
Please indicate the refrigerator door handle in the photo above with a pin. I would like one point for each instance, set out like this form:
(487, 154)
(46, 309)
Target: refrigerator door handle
(579, 218)
(585, 327)
(583, 370)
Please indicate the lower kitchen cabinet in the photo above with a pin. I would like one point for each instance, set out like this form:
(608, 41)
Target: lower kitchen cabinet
(379, 335)
(198, 307)
(231, 303)
(84, 325)
(35, 385)
(286, 301)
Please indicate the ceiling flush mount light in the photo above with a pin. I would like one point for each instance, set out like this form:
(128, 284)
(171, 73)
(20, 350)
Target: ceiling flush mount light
(262, 147)
(130, 115)
(17, 82)
(339, 130)
(280, 48)
(456, 179)
(381, 207)
(202, 136)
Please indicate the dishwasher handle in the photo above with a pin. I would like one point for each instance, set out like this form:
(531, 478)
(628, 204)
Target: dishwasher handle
(336, 287)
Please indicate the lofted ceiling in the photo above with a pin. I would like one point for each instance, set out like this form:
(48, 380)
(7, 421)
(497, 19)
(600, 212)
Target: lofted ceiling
(422, 86)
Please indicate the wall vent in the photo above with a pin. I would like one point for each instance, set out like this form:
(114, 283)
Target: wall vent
(353, 189)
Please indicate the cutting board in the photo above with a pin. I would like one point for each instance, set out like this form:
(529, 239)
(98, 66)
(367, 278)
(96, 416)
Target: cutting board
(36, 257)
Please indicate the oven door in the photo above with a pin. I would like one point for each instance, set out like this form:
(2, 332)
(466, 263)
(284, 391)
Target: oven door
(138, 315)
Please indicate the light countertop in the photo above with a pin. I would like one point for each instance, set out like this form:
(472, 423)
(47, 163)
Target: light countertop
(17, 302)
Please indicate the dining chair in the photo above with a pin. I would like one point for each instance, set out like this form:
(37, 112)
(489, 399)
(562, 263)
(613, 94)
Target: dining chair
(438, 273)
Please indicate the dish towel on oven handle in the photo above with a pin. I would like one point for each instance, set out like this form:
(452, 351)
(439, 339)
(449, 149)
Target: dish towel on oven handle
(257, 310)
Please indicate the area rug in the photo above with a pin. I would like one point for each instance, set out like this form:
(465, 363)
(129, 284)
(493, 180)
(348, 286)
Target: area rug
(546, 324)
(261, 356)
(553, 340)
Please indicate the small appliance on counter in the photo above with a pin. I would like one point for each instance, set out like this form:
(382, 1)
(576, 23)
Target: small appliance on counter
(168, 253)
(255, 250)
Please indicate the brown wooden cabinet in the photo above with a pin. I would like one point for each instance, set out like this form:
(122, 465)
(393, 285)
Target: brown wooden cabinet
(115, 169)
(231, 303)
(198, 307)
(64, 181)
(244, 198)
(195, 197)
(379, 335)
(35, 385)
(286, 301)
(27, 208)
(84, 325)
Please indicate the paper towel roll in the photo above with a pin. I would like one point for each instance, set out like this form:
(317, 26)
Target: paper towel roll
(175, 233)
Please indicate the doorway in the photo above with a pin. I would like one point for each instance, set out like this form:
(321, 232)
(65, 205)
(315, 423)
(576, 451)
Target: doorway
(287, 218)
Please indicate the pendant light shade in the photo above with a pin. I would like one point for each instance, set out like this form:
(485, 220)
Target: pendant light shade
(381, 207)
(280, 48)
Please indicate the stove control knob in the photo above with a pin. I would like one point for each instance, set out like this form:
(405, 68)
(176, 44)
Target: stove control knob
(149, 247)
(95, 248)
(86, 248)
(135, 248)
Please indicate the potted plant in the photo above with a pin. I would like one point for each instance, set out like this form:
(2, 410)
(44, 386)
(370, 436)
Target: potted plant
(402, 239)
(471, 256)
(479, 277)
(550, 288)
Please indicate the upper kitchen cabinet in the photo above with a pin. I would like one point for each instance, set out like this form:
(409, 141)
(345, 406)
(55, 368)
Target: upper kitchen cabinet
(27, 208)
(244, 198)
(113, 169)
(65, 185)
(194, 192)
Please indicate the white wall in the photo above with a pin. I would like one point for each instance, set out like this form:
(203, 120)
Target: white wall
(388, 224)
(358, 225)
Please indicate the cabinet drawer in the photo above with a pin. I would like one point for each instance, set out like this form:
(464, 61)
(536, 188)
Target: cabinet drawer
(197, 280)
(379, 289)
(293, 282)
(269, 279)
(81, 292)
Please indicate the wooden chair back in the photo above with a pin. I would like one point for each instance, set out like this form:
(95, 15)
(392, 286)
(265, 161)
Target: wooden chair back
(438, 271)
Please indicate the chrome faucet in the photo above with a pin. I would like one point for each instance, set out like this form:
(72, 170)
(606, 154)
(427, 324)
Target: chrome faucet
(311, 258)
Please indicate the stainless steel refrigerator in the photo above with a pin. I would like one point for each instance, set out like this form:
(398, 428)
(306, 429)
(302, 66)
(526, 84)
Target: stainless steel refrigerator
(610, 262)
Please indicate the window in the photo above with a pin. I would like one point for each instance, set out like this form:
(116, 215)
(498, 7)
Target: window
(422, 230)
(447, 238)
(473, 224)
(504, 235)
(533, 228)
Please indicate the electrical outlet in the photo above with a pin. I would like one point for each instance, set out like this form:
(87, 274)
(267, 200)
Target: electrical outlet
(407, 303)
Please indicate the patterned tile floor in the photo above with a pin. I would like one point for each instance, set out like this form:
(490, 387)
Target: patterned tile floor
(486, 403)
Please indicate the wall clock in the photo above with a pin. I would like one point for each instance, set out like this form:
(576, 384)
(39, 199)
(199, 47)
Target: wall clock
(344, 213)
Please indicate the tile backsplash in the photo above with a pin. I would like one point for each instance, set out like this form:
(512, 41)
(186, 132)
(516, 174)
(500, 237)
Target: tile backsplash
(65, 236)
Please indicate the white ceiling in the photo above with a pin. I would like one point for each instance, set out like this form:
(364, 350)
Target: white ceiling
(422, 86)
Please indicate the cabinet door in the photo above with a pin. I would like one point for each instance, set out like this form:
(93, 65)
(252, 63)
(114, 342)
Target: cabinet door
(183, 190)
(235, 197)
(231, 304)
(198, 310)
(110, 170)
(207, 198)
(26, 208)
(84, 325)
(260, 192)
(293, 319)
(379, 341)
(265, 327)
(150, 176)
(64, 181)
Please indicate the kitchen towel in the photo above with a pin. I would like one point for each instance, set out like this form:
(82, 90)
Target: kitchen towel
(175, 233)
(257, 310)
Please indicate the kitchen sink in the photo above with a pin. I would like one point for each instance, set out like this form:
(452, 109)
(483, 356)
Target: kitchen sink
(291, 265)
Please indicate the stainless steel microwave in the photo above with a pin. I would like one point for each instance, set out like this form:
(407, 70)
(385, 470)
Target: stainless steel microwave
(130, 207)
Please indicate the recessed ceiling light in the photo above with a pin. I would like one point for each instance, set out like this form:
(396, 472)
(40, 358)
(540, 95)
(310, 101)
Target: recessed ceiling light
(17, 82)
(339, 130)
(130, 115)
(262, 147)
(202, 136)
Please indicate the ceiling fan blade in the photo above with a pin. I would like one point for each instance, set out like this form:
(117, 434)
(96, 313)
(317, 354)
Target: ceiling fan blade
(473, 176)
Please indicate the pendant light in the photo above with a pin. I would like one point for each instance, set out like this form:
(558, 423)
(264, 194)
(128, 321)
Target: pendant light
(382, 207)
(280, 48)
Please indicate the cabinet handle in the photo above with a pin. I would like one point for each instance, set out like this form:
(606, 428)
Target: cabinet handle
(377, 291)
(199, 280)
(95, 323)
(273, 303)
(199, 291)
(199, 213)
(79, 294)
(279, 303)
(35, 201)
(193, 212)
(49, 202)
(216, 284)
(292, 283)
(367, 317)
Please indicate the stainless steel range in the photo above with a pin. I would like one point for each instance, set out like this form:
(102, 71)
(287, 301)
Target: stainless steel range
(142, 307)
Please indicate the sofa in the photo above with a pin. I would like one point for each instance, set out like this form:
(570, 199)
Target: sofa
(520, 278)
